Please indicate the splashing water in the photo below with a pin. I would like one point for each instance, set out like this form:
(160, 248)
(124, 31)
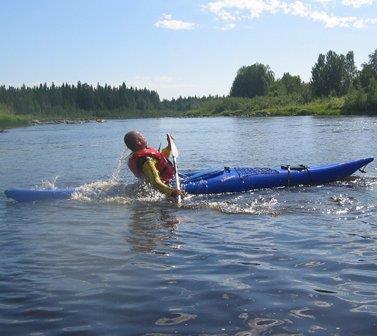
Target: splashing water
(264, 202)
(46, 184)
(106, 189)
(113, 190)
(97, 190)
(245, 203)
(118, 167)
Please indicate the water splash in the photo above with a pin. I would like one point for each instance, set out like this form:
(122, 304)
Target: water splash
(99, 191)
(369, 182)
(105, 190)
(330, 199)
(146, 193)
(49, 185)
(238, 205)
(342, 200)
(258, 206)
(118, 166)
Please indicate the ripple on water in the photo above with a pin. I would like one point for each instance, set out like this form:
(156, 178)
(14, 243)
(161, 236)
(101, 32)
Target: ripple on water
(120, 258)
(174, 320)
(302, 313)
(259, 326)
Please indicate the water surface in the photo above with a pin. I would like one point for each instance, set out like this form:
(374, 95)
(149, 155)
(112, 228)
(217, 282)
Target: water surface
(122, 260)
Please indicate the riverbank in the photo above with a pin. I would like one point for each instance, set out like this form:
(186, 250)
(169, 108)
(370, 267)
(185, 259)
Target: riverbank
(10, 120)
(227, 106)
(268, 106)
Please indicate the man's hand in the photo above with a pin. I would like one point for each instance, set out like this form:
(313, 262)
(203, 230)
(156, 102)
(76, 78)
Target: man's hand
(176, 192)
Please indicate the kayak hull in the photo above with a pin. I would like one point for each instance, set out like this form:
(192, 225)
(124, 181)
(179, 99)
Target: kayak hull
(243, 179)
(30, 195)
(227, 180)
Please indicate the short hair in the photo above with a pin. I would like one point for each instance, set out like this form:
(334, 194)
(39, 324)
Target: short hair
(130, 139)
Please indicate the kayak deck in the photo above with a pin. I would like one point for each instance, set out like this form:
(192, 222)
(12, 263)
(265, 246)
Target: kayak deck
(243, 179)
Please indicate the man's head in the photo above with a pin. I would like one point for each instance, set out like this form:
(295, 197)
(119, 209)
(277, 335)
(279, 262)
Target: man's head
(135, 141)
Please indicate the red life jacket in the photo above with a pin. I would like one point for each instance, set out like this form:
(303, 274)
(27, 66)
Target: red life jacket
(164, 166)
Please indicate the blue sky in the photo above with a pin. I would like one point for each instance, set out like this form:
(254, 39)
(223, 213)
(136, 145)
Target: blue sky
(177, 47)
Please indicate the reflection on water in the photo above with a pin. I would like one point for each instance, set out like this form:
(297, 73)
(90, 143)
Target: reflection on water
(149, 226)
(120, 259)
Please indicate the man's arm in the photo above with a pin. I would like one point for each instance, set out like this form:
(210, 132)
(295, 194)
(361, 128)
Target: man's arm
(153, 177)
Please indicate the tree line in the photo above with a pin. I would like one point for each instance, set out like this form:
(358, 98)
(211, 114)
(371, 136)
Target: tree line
(333, 75)
(44, 99)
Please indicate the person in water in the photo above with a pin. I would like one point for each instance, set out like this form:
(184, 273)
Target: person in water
(150, 164)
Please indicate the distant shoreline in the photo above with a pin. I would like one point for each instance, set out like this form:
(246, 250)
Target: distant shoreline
(18, 124)
(218, 107)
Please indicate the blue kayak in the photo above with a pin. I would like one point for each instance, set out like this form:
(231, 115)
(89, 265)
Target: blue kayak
(30, 195)
(243, 179)
(229, 180)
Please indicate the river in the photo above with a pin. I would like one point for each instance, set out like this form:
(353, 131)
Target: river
(120, 259)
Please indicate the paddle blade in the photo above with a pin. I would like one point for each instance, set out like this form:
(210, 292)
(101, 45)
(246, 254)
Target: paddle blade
(174, 149)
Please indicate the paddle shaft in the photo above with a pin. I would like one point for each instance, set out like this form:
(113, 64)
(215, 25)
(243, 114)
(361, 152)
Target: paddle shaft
(178, 185)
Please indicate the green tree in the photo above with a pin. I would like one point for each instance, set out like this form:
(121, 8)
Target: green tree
(292, 84)
(251, 81)
(319, 77)
(333, 74)
(368, 73)
(365, 77)
(373, 63)
(350, 71)
(362, 101)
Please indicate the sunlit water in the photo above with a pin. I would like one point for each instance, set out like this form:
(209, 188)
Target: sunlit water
(120, 259)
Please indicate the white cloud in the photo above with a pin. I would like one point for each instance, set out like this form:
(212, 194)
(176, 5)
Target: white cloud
(357, 3)
(167, 22)
(231, 11)
(228, 26)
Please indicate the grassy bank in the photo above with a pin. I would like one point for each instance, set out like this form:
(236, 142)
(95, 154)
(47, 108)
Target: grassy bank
(267, 106)
(9, 119)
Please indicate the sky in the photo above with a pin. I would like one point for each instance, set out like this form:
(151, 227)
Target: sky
(176, 47)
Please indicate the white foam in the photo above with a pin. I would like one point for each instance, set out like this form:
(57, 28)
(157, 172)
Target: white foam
(95, 190)
(49, 185)
(106, 190)
(258, 206)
